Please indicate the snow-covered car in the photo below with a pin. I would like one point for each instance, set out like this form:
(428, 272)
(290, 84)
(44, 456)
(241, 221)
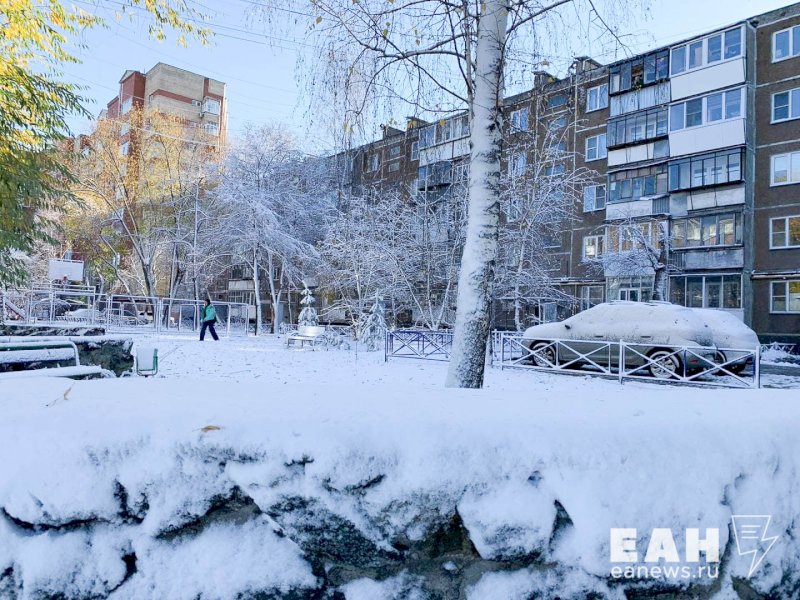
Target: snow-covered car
(658, 330)
(733, 339)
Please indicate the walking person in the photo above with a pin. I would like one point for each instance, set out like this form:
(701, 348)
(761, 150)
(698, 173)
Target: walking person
(208, 318)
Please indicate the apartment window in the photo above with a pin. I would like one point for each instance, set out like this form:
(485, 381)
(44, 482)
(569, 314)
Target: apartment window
(556, 100)
(211, 106)
(194, 102)
(126, 105)
(639, 72)
(786, 44)
(785, 169)
(374, 162)
(634, 184)
(427, 136)
(785, 297)
(519, 120)
(124, 149)
(627, 237)
(211, 128)
(394, 151)
(596, 147)
(516, 164)
(597, 98)
(707, 231)
(594, 197)
(709, 109)
(593, 246)
(591, 295)
(699, 53)
(714, 168)
(394, 167)
(414, 150)
(784, 232)
(124, 128)
(558, 123)
(461, 173)
(786, 105)
(637, 127)
(707, 291)
(554, 170)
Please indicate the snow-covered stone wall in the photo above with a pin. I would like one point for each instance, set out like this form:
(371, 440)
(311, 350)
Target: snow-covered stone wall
(154, 489)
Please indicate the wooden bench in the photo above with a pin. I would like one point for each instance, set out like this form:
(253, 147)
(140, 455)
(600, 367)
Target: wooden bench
(310, 334)
(29, 352)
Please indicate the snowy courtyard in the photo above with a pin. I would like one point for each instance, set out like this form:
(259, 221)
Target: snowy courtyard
(246, 469)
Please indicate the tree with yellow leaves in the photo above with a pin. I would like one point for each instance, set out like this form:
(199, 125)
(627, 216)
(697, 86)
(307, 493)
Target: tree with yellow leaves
(34, 105)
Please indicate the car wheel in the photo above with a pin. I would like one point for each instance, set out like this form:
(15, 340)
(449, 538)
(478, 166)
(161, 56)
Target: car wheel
(545, 354)
(664, 364)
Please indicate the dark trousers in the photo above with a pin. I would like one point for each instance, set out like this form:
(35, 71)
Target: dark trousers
(210, 326)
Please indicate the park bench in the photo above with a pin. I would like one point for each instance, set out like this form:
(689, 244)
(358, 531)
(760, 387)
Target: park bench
(29, 353)
(310, 334)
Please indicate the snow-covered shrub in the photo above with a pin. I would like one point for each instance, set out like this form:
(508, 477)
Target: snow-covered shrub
(373, 332)
(308, 316)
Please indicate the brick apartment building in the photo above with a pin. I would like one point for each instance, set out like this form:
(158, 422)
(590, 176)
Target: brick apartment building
(699, 139)
(197, 99)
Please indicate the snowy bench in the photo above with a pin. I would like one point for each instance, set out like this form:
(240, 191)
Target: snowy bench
(31, 353)
(306, 334)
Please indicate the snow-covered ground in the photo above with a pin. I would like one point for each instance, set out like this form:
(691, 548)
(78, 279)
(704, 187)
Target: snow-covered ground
(266, 359)
(246, 467)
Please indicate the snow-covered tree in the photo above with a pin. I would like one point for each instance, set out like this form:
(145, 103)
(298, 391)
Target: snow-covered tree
(538, 203)
(272, 207)
(439, 55)
(308, 315)
(636, 247)
(373, 332)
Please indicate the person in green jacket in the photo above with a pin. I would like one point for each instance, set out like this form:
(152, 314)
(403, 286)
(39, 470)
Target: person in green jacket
(209, 317)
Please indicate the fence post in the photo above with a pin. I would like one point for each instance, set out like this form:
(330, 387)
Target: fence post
(621, 364)
(109, 304)
(502, 350)
(757, 366)
(386, 346)
(229, 321)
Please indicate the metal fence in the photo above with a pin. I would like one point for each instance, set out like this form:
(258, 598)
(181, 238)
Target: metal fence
(418, 343)
(121, 313)
(720, 367)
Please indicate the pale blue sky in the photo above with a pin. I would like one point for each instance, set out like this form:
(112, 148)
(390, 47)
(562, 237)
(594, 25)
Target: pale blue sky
(260, 70)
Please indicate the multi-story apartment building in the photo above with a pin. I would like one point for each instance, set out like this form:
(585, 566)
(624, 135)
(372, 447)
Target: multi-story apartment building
(693, 151)
(198, 100)
(775, 236)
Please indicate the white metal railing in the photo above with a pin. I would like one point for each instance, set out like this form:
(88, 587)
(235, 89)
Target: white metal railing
(788, 348)
(118, 312)
(724, 367)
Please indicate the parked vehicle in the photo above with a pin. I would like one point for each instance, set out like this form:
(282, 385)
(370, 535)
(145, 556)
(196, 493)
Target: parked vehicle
(731, 336)
(654, 330)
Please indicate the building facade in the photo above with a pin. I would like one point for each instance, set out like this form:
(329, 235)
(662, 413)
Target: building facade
(690, 156)
(200, 101)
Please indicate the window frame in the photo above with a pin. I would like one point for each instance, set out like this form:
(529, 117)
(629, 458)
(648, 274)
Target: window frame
(704, 110)
(793, 52)
(519, 113)
(602, 99)
(517, 163)
(786, 230)
(683, 223)
(786, 283)
(598, 155)
(727, 154)
(790, 94)
(704, 289)
(599, 244)
(594, 188)
(790, 157)
(415, 150)
(684, 65)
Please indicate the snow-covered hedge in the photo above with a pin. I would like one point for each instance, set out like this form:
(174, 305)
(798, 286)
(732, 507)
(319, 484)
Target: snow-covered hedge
(163, 489)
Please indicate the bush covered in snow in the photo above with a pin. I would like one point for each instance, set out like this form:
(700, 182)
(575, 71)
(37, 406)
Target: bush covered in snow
(308, 316)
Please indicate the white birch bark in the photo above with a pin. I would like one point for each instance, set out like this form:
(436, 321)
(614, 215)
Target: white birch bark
(477, 266)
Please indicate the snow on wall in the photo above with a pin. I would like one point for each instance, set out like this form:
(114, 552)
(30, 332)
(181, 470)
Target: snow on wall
(166, 489)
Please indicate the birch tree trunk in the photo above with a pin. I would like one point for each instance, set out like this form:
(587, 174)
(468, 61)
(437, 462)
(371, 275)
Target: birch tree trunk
(257, 290)
(468, 357)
